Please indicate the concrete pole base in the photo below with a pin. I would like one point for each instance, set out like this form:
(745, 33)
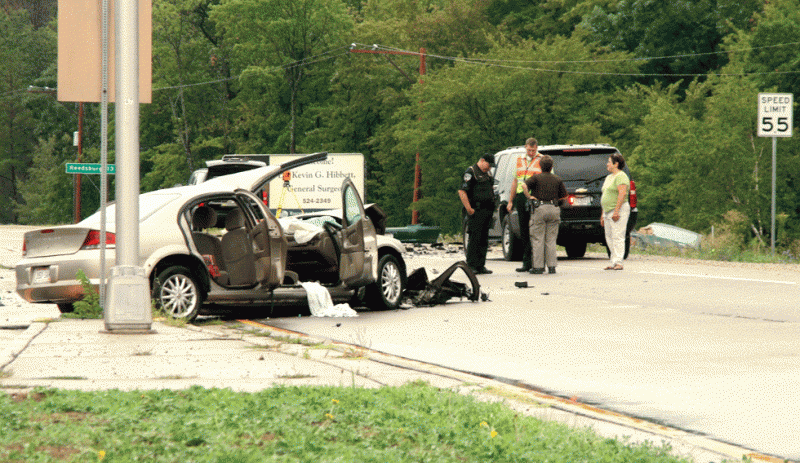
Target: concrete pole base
(127, 308)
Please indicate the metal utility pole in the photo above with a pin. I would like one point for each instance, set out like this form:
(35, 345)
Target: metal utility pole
(128, 302)
(421, 54)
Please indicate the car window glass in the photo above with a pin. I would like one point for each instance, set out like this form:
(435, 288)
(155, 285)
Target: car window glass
(351, 209)
(580, 167)
(505, 171)
(198, 176)
(218, 171)
(254, 208)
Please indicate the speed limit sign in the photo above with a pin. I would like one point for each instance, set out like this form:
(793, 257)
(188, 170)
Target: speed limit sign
(775, 114)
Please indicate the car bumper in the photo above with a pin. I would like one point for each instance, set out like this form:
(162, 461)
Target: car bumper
(47, 280)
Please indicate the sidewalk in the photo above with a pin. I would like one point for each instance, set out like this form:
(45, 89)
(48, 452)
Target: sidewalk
(78, 354)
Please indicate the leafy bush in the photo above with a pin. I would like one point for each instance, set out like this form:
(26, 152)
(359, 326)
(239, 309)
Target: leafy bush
(89, 306)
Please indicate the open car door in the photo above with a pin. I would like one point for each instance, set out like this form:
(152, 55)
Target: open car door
(268, 241)
(359, 253)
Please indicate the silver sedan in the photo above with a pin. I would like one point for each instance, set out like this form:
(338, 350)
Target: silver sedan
(217, 242)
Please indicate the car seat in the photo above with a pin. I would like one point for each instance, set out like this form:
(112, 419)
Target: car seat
(208, 245)
(237, 251)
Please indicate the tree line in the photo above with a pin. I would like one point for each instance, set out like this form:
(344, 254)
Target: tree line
(672, 84)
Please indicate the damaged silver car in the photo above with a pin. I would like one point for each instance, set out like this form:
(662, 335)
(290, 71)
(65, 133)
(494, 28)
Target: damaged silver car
(217, 242)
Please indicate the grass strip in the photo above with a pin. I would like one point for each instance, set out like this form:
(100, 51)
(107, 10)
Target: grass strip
(411, 423)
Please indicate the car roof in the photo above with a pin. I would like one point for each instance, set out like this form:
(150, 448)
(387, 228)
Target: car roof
(228, 162)
(254, 179)
(603, 146)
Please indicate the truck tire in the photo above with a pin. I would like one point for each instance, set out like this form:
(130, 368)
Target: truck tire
(512, 247)
(576, 250)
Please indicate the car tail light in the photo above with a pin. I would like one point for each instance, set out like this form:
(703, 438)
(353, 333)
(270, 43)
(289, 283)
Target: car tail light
(633, 197)
(92, 240)
(265, 196)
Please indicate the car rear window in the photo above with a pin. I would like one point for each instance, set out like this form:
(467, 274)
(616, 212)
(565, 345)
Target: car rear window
(580, 164)
(219, 171)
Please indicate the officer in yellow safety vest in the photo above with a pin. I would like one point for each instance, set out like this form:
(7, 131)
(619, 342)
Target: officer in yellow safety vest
(527, 166)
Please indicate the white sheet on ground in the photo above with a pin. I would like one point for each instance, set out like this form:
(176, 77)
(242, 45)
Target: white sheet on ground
(321, 304)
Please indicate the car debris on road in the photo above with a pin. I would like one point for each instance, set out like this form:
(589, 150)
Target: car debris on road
(428, 293)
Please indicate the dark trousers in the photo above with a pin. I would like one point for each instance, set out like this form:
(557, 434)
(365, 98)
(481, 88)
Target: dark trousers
(521, 205)
(478, 225)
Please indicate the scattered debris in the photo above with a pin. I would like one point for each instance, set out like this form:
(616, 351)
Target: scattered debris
(422, 249)
(664, 235)
(428, 293)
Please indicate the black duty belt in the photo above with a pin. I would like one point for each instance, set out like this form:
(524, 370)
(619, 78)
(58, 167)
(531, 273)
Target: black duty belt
(539, 202)
(484, 205)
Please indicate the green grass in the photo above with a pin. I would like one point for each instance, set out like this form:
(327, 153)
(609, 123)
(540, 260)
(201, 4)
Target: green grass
(761, 256)
(414, 423)
(724, 254)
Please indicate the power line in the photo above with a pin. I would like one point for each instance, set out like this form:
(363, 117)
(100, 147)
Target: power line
(496, 63)
(305, 61)
(196, 84)
(649, 58)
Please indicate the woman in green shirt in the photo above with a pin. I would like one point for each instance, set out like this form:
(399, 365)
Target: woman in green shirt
(616, 209)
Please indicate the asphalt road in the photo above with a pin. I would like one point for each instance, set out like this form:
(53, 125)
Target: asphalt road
(708, 347)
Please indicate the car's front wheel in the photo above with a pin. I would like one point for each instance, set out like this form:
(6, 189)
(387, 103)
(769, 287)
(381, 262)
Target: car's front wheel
(177, 293)
(387, 292)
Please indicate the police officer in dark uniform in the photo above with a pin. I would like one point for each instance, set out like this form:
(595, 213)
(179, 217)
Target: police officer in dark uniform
(477, 196)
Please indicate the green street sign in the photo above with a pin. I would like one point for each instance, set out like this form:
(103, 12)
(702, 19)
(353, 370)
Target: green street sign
(79, 168)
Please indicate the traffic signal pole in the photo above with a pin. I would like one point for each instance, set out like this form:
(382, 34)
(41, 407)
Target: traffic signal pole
(421, 54)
